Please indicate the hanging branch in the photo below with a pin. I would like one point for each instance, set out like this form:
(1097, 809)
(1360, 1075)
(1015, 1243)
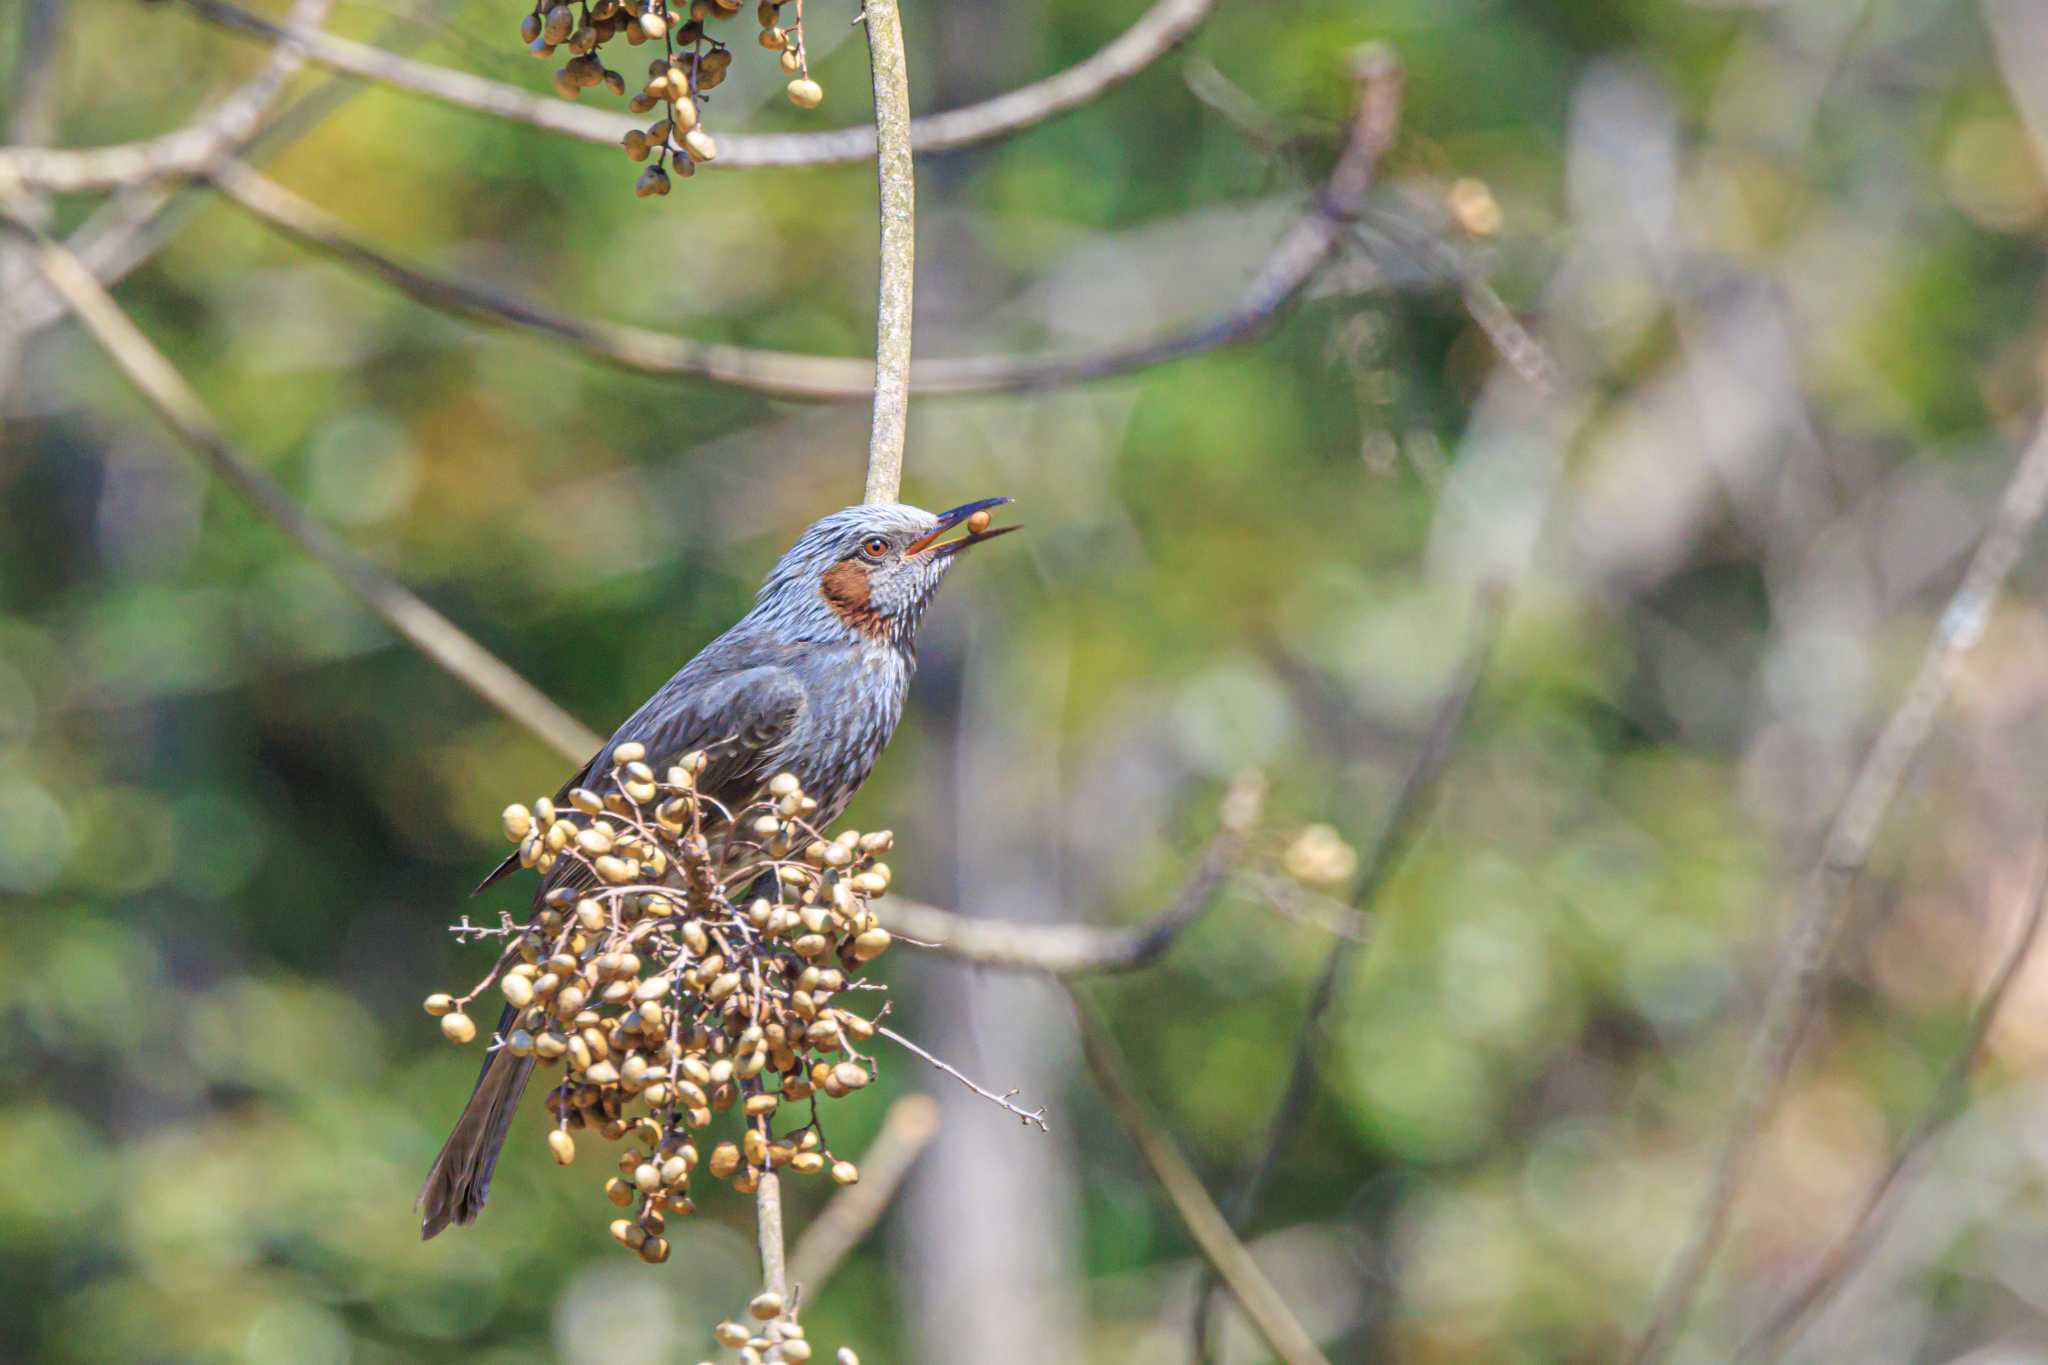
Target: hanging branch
(1397, 830)
(1158, 31)
(1286, 272)
(1823, 909)
(897, 182)
(1951, 1097)
(32, 107)
(188, 151)
(433, 634)
(31, 111)
(133, 224)
(898, 194)
(1219, 1246)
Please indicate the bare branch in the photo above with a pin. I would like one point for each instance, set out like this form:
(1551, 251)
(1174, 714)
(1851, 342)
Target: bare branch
(1158, 31)
(133, 224)
(907, 1129)
(768, 1227)
(419, 624)
(1079, 949)
(784, 374)
(1209, 85)
(1289, 899)
(897, 181)
(188, 151)
(1822, 908)
(32, 106)
(1397, 830)
(1950, 1099)
(31, 114)
(1032, 1117)
(1219, 1246)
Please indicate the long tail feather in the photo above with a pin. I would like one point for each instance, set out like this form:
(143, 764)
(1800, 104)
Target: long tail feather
(460, 1180)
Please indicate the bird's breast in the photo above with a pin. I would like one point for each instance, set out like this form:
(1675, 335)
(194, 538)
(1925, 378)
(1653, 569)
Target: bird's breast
(853, 706)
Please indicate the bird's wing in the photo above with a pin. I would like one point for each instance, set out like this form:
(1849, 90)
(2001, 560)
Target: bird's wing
(740, 720)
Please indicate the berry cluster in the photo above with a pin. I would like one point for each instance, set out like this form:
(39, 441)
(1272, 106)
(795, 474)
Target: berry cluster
(691, 64)
(686, 962)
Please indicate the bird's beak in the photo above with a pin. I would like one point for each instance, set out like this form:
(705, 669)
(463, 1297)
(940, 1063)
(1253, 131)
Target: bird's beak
(949, 519)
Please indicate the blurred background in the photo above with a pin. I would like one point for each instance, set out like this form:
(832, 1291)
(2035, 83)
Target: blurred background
(1786, 260)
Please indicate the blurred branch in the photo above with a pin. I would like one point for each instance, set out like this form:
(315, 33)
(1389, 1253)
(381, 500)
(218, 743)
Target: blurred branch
(896, 179)
(1397, 830)
(784, 374)
(1950, 1100)
(1513, 342)
(1079, 949)
(1291, 900)
(1822, 908)
(1220, 1248)
(133, 224)
(32, 102)
(118, 236)
(1158, 31)
(188, 151)
(1209, 85)
(2019, 40)
(907, 1129)
(438, 638)
(31, 113)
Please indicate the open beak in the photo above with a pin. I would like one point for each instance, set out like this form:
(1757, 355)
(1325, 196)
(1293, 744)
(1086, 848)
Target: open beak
(965, 512)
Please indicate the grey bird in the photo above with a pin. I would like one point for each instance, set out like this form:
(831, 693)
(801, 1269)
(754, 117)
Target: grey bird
(811, 681)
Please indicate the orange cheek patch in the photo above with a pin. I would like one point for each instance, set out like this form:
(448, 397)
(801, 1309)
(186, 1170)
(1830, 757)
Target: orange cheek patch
(845, 589)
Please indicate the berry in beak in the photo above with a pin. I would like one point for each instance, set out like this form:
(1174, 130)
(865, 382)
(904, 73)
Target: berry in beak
(974, 515)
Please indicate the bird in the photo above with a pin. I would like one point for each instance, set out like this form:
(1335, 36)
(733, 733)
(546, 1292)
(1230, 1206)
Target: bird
(811, 682)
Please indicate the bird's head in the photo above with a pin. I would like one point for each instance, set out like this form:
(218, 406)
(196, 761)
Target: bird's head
(870, 571)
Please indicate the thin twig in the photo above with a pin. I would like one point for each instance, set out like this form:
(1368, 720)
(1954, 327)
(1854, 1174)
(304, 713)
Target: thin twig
(132, 225)
(31, 114)
(1209, 85)
(1823, 909)
(1286, 272)
(188, 150)
(1948, 1103)
(1396, 832)
(1033, 1117)
(1291, 900)
(1280, 280)
(1080, 949)
(1513, 342)
(1226, 1256)
(1158, 31)
(32, 103)
(907, 1129)
(897, 182)
(419, 624)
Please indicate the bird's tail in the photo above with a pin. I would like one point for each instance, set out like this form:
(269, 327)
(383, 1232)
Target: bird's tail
(461, 1178)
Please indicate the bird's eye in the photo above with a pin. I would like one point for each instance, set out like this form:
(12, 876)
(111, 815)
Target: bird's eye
(874, 547)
